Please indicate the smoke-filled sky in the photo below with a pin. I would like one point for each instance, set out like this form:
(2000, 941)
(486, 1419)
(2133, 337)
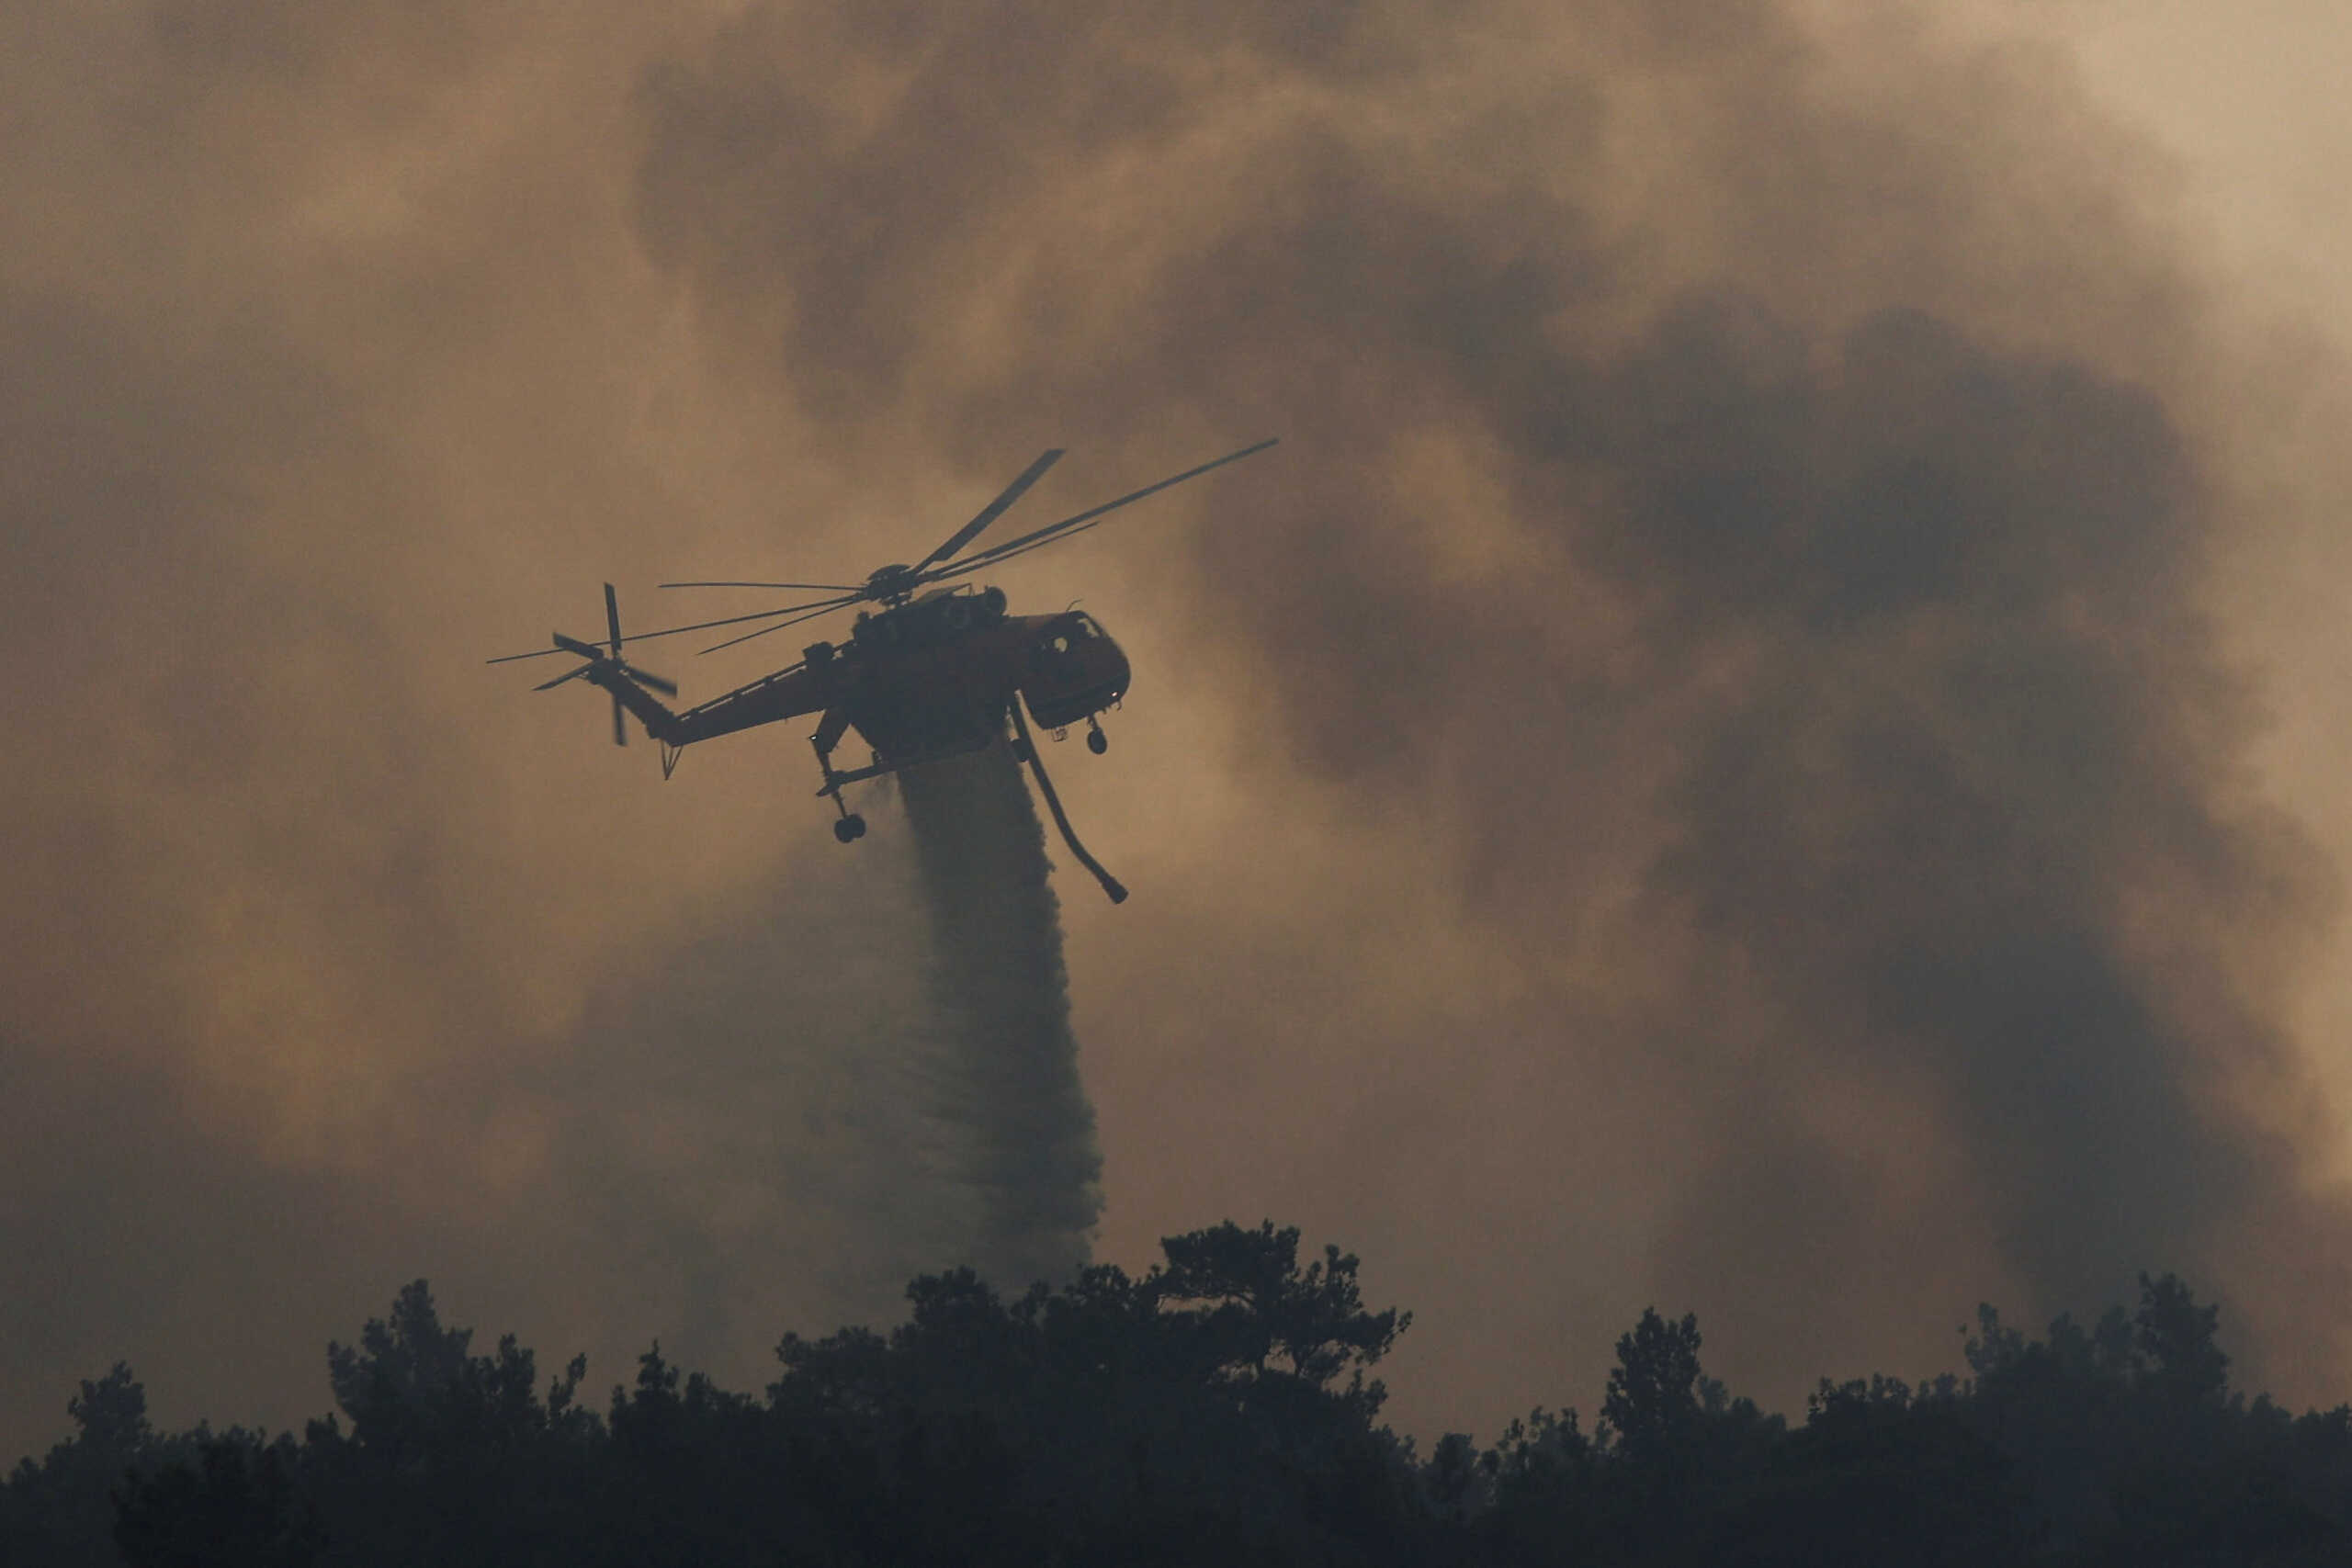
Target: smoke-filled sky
(1766, 743)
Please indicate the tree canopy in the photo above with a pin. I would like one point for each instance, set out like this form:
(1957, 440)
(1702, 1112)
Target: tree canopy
(1216, 1409)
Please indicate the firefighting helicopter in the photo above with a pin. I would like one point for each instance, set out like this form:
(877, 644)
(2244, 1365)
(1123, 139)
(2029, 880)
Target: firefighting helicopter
(937, 668)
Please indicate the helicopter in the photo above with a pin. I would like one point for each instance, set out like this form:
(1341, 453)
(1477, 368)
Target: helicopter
(933, 667)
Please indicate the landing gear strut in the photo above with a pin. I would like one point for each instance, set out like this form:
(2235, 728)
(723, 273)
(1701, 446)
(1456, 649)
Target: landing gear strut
(1096, 741)
(851, 827)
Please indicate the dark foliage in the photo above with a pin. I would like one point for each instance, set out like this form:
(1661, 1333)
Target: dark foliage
(1215, 1410)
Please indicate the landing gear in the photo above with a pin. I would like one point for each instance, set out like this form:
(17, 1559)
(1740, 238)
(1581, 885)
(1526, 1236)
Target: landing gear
(851, 827)
(1096, 741)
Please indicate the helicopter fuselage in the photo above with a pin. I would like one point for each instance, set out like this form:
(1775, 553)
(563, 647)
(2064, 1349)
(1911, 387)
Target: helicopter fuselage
(927, 678)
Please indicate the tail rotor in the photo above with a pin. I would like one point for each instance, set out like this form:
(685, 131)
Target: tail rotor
(613, 624)
(608, 657)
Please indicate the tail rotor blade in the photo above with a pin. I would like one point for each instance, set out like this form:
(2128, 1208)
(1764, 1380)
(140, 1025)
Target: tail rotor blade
(613, 618)
(620, 726)
(660, 683)
(567, 676)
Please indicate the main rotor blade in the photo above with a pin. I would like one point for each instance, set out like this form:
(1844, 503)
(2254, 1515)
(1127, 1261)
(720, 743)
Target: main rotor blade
(994, 510)
(814, 606)
(834, 587)
(998, 557)
(588, 650)
(765, 630)
(648, 679)
(567, 676)
(1069, 525)
(613, 618)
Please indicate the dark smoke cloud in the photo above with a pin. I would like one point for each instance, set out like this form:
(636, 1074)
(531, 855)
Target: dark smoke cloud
(1839, 644)
(1698, 771)
(761, 1143)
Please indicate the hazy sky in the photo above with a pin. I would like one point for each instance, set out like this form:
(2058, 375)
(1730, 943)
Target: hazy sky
(1768, 742)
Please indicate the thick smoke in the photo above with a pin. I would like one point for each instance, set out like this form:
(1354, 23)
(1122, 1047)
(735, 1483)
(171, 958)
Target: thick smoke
(1699, 772)
(1009, 1081)
(1753, 515)
(767, 1142)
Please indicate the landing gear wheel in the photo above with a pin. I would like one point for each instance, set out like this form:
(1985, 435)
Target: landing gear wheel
(1097, 742)
(850, 829)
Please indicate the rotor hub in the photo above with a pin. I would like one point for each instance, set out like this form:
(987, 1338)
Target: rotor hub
(892, 584)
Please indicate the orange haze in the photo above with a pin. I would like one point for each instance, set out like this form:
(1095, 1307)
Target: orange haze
(1718, 765)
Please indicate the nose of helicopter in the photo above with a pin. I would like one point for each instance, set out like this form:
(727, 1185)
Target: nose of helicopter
(1116, 669)
(1078, 671)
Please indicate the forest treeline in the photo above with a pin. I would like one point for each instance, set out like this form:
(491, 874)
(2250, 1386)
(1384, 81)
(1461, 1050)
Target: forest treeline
(1219, 1409)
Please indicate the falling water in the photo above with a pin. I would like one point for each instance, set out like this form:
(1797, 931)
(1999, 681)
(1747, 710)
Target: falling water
(1008, 1072)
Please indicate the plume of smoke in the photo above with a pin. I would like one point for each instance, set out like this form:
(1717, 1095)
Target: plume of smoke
(764, 1147)
(1009, 1077)
(863, 1071)
(1742, 545)
(1827, 614)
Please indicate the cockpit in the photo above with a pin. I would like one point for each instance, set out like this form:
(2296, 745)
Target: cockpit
(1069, 633)
(1075, 670)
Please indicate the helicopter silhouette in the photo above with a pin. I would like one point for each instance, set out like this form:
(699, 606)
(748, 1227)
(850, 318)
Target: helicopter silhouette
(936, 667)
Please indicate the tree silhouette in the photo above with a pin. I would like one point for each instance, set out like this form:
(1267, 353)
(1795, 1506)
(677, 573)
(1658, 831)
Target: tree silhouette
(112, 1415)
(1251, 1302)
(1216, 1409)
(1652, 1405)
(2178, 1340)
(240, 1506)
